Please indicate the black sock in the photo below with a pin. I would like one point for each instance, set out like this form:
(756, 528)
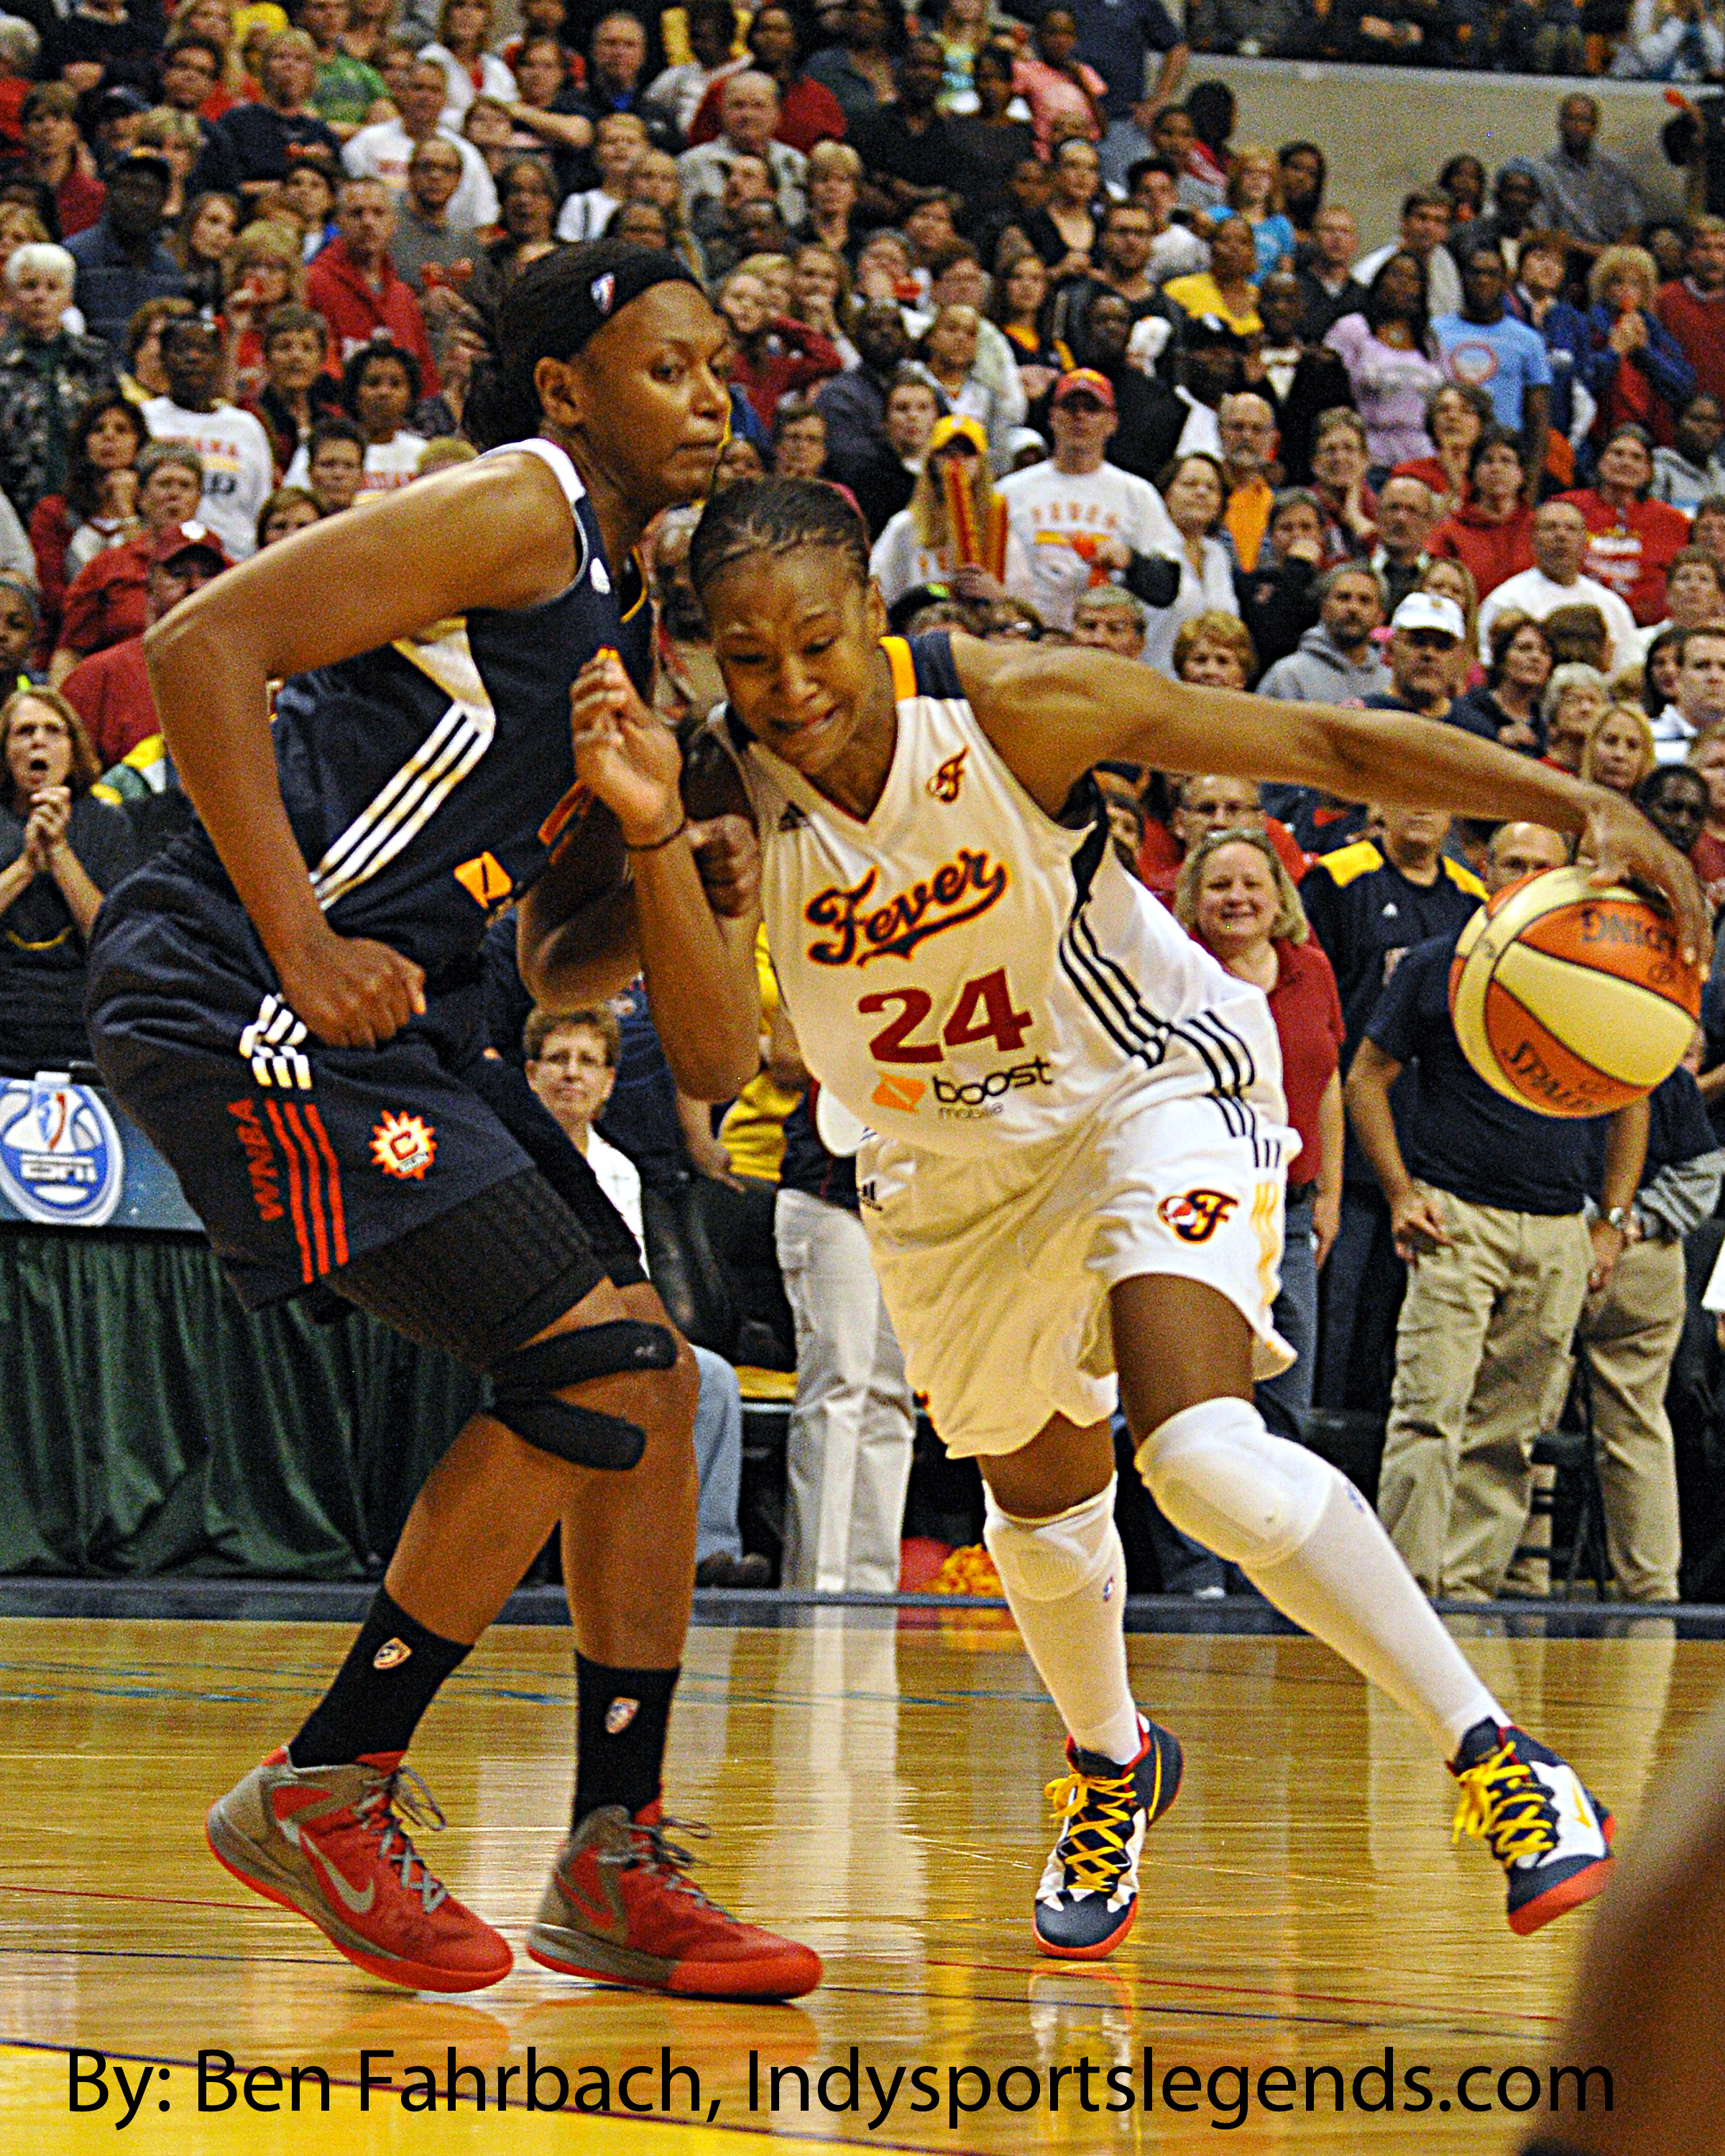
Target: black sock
(391, 1675)
(622, 1717)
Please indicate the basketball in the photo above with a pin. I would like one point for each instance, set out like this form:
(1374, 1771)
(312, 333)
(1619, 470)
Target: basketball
(1569, 999)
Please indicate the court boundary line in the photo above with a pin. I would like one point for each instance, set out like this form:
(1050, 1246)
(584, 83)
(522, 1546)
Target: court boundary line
(201, 1600)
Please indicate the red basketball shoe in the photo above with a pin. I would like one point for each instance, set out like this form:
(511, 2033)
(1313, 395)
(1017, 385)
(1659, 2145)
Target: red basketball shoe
(329, 1841)
(621, 1908)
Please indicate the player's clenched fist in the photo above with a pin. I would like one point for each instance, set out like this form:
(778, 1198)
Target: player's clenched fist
(352, 992)
(625, 753)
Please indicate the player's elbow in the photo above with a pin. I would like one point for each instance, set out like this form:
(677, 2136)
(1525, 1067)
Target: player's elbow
(715, 1064)
(164, 645)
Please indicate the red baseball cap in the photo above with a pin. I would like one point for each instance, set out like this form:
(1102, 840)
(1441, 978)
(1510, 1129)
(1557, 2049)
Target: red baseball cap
(175, 539)
(1085, 379)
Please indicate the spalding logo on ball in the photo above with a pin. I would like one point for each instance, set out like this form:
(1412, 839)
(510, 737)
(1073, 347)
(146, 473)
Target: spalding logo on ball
(1569, 999)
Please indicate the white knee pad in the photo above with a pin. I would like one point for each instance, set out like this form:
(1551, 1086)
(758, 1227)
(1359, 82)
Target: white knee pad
(1047, 1560)
(1221, 1477)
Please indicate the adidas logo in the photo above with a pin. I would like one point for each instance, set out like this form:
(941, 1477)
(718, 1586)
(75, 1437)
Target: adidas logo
(792, 820)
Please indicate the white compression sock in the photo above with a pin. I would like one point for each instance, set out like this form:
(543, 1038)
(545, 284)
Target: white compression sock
(1065, 1584)
(1310, 1545)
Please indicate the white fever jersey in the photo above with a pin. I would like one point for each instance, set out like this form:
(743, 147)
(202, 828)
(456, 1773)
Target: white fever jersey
(962, 968)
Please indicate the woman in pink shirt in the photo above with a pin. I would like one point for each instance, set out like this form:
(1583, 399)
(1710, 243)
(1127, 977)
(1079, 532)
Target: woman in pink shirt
(1057, 84)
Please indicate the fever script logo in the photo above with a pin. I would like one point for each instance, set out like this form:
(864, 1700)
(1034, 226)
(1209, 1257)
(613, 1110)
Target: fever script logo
(959, 891)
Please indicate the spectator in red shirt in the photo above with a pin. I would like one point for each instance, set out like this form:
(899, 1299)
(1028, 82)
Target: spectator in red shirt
(771, 354)
(19, 46)
(808, 111)
(1492, 533)
(1236, 898)
(1692, 307)
(99, 506)
(110, 690)
(354, 286)
(1204, 804)
(107, 601)
(55, 159)
(1633, 539)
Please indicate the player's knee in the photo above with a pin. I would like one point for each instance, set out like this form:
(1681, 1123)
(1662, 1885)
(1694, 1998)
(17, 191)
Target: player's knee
(1047, 1560)
(672, 1394)
(591, 1395)
(1221, 1477)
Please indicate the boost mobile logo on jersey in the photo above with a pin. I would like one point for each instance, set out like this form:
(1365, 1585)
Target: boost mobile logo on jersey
(961, 1102)
(1195, 1215)
(959, 891)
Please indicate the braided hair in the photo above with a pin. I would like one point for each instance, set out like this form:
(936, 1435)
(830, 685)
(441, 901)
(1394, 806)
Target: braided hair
(775, 516)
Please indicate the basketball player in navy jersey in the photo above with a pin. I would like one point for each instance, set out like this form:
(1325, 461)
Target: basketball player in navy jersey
(285, 1000)
(1078, 1141)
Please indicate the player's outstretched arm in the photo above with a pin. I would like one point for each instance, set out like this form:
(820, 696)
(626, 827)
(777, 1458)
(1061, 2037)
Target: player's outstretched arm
(1054, 714)
(496, 534)
(700, 967)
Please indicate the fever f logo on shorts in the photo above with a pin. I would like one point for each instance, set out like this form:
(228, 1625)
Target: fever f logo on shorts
(404, 1146)
(1195, 1215)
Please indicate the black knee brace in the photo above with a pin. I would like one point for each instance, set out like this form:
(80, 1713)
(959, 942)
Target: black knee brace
(524, 1390)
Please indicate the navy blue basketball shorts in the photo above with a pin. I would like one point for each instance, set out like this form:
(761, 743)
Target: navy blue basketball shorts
(454, 1208)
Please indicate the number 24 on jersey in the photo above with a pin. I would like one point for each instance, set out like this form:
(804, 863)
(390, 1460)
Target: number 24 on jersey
(982, 1012)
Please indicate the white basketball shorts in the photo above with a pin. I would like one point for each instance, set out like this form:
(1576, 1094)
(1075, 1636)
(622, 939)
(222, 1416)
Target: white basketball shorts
(996, 1272)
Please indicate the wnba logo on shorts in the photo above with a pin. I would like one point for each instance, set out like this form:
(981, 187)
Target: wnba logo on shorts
(1195, 1215)
(391, 1655)
(619, 1714)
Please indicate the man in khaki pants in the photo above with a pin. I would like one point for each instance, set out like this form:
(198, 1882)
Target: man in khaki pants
(1630, 1330)
(1487, 1208)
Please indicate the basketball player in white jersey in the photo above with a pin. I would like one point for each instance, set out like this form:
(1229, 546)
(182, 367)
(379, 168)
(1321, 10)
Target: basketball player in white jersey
(1077, 1139)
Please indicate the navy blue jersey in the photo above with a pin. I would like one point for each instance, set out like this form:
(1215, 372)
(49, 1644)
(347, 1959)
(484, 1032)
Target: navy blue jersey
(426, 780)
(426, 784)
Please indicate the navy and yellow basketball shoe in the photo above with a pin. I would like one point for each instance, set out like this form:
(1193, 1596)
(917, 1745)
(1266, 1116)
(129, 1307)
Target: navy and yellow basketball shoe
(1538, 1817)
(1089, 1894)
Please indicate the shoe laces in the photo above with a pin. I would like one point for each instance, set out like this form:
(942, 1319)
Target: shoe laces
(648, 1847)
(397, 1796)
(1505, 1805)
(1097, 1811)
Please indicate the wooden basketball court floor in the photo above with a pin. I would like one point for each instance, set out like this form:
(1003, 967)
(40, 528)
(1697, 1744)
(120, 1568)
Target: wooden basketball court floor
(874, 1779)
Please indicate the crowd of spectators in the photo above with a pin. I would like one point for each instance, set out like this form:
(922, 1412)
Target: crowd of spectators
(1089, 368)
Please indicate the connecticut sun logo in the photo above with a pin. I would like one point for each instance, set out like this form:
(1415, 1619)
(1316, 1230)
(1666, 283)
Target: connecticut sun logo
(404, 1146)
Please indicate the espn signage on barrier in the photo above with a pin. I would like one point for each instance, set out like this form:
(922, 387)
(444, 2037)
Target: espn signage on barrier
(70, 1159)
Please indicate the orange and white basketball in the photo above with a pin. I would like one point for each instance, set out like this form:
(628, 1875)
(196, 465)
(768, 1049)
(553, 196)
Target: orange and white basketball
(1572, 1000)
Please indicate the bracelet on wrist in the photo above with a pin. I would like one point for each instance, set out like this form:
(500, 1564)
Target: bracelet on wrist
(656, 845)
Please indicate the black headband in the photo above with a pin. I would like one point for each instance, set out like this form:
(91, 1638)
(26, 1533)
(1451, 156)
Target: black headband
(616, 272)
